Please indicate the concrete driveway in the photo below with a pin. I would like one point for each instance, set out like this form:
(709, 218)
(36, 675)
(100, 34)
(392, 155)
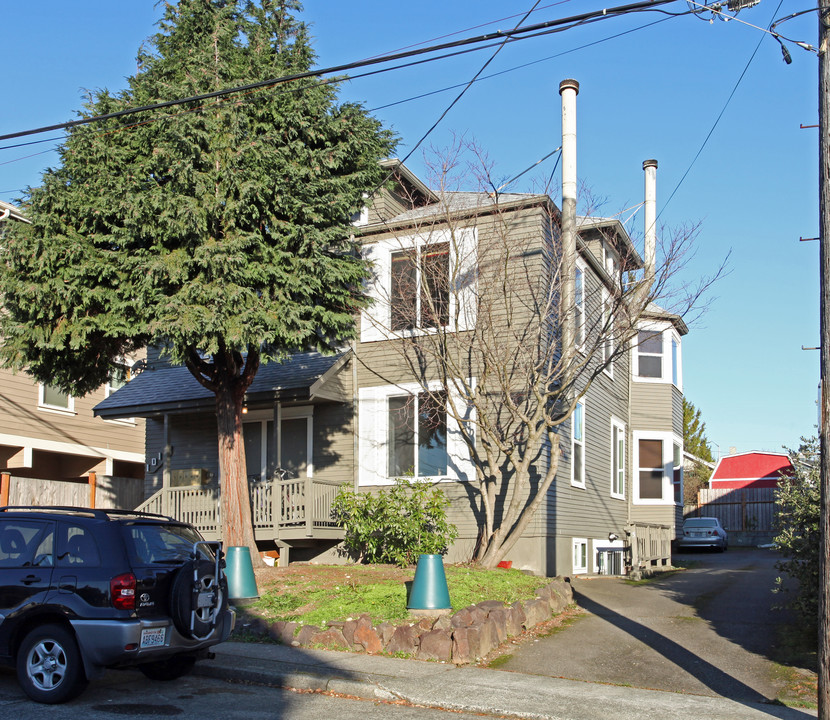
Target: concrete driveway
(708, 630)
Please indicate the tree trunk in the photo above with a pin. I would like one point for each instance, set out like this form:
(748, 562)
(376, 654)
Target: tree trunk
(237, 522)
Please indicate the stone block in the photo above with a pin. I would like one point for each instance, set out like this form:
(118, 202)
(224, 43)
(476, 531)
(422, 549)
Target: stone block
(515, 618)
(488, 636)
(282, 632)
(385, 631)
(331, 638)
(536, 611)
(435, 645)
(366, 637)
(463, 618)
(303, 638)
(404, 640)
(443, 623)
(488, 605)
(466, 645)
(498, 616)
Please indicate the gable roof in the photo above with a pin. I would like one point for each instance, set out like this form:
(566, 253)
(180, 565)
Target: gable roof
(173, 389)
(756, 468)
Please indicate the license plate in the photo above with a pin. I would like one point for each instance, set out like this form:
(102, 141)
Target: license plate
(152, 637)
(205, 600)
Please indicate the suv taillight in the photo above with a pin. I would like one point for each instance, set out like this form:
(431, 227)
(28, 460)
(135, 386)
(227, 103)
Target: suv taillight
(122, 591)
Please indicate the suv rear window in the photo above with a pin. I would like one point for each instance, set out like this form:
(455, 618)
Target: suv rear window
(159, 544)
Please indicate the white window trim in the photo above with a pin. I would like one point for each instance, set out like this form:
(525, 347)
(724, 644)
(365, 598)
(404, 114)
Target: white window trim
(42, 405)
(579, 482)
(376, 323)
(606, 310)
(669, 335)
(668, 440)
(581, 309)
(578, 543)
(620, 427)
(373, 438)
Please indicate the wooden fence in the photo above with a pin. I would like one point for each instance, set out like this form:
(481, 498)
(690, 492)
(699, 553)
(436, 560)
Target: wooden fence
(97, 491)
(739, 510)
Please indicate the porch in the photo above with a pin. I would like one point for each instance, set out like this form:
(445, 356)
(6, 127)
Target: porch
(291, 512)
(650, 548)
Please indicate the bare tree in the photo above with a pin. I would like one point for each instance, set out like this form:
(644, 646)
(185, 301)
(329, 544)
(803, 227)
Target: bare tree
(474, 311)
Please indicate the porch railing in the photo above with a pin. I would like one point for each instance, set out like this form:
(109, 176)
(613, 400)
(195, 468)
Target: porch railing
(280, 505)
(650, 547)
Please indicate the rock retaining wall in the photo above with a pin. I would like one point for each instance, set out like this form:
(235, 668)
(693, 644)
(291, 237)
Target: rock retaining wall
(461, 638)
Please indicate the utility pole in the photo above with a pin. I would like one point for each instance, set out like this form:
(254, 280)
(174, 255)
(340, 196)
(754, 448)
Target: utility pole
(824, 430)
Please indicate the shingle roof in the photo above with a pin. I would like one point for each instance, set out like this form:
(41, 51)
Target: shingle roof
(174, 388)
(461, 201)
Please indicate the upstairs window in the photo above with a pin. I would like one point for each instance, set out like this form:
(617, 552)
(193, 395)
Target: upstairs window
(120, 375)
(651, 469)
(649, 354)
(579, 306)
(54, 398)
(617, 459)
(419, 292)
(578, 446)
(417, 439)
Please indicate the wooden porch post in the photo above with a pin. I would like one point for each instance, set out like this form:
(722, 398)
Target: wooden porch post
(5, 482)
(92, 487)
(309, 506)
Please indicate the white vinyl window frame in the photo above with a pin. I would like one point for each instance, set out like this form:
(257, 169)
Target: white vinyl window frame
(607, 326)
(671, 355)
(579, 555)
(376, 320)
(580, 304)
(668, 440)
(45, 395)
(618, 458)
(373, 435)
(578, 434)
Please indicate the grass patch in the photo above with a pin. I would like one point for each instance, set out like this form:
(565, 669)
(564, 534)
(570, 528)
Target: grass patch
(795, 666)
(500, 661)
(318, 594)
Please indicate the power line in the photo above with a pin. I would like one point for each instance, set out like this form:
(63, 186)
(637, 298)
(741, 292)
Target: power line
(718, 118)
(517, 33)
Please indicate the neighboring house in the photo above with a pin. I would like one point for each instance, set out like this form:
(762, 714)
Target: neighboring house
(751, 470)
(348, 419)
(49, 435)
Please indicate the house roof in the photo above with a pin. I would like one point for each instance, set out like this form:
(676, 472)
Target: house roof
(752, 466)
(173, 389)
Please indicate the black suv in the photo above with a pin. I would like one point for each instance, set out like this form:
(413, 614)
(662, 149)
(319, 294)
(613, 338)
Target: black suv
(82, 590)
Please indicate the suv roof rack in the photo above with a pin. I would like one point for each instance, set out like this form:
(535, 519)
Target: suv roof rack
(102, 514)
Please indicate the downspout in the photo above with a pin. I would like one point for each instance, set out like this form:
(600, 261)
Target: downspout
(568, 89)
(5, 214)
(355, 421)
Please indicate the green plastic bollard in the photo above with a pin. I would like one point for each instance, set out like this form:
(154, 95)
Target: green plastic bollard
(240, 573)
(429, 588)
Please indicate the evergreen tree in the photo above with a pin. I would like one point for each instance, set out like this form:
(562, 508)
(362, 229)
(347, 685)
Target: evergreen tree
(694, 433)
(219, 230)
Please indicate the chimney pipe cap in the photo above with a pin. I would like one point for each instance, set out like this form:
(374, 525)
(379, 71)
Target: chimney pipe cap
(568, 85)
(649, 163)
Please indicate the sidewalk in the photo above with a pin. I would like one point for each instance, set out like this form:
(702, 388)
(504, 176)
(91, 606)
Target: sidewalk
(468, 689)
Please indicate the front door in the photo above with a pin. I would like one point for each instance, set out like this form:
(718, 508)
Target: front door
(268, 455)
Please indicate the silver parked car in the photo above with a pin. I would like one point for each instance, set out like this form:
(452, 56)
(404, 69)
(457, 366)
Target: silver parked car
(703, 532)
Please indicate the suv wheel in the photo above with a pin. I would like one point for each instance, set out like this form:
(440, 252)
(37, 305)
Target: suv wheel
(197, 598)
(49, 665)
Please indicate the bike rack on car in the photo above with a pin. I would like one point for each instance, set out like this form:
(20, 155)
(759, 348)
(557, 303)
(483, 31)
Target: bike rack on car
(202, 599)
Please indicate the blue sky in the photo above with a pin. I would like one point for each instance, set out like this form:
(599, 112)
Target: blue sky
(649, 92)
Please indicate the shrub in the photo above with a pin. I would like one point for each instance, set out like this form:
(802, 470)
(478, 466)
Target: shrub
(395, 525)
(797, 525)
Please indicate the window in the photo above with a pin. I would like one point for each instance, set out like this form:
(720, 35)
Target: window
(55, 399)
(578, 446)
(617, 459)
(120, 375)
(580, 555)
(675, 362)
(677, 473)
(579, 306)
(649, 354)
(419, 292)
(417, 441)
(607, 329)
(611, 262)
(651, 469)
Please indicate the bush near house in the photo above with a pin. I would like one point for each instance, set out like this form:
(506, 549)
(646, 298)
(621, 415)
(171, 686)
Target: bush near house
(395, 525)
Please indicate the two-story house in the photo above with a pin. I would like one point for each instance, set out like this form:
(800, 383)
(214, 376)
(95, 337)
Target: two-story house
(370, 413)
(46, 434)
